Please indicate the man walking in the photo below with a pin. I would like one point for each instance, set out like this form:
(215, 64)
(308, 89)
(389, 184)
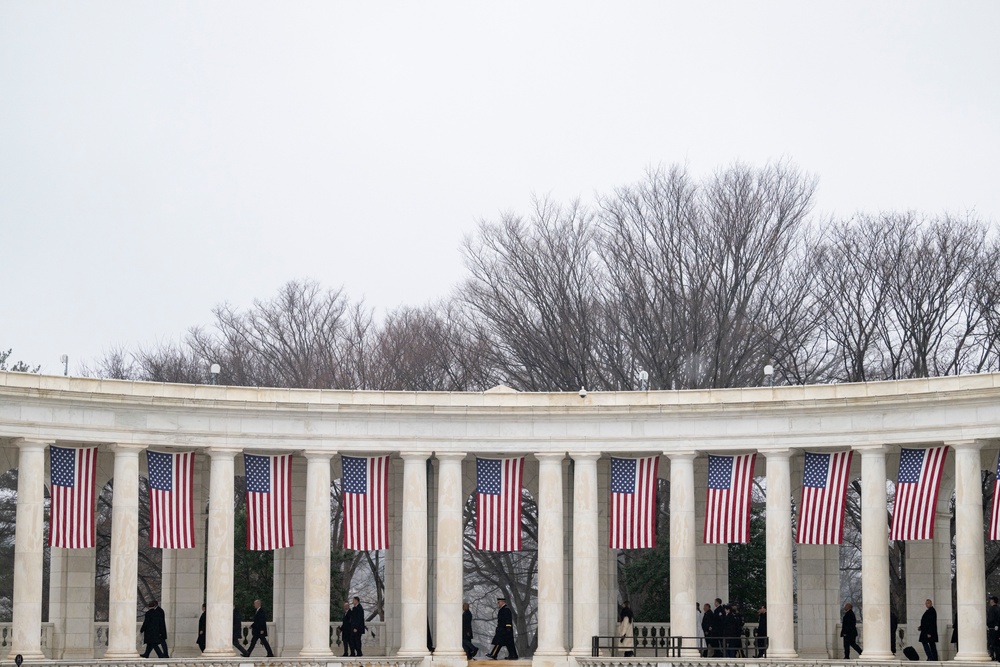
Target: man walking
(345, 628)
(928, 631)
(238, 632)
(154, 631)
(761, 632)
(504, 636)
(849, 631)
(357, 626)
(258, 630)
(471, 650)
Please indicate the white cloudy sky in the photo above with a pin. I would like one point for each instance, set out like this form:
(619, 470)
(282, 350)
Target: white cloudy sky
(158, 158)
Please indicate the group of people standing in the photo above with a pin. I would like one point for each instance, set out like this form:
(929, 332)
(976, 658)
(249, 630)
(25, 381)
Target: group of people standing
(723, 631)
(352, 627)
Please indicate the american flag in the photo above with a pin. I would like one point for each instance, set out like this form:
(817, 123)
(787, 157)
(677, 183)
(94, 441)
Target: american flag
(72, 476)
(498, 504)
(824, 486)
(366, 486)
(171, 512)
(727, 510)
(916, 493)
(995, 518)
(269, 501)
(633, 503)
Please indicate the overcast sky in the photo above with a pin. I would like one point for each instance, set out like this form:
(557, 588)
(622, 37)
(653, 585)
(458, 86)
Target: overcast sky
(159, 158)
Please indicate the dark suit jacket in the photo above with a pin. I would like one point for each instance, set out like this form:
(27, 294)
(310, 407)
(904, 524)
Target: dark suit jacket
(505, 627)
(237, 625)
(467, 624)
(358, 619)
(849, 626)
(259, 626)
(928, 626)
(154, 626)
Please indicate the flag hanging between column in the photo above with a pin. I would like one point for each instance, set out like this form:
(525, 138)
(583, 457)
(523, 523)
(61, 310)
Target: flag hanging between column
(995, 518)
(824, 488)
(633, 503)
(171, 512)
(917, 487)
(72, 478)
(727, 509)
(365, 483)
(269, 501)
(498, 504)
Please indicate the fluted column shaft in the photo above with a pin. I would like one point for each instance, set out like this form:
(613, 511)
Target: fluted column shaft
(448, 640)
(683, 546)
(586, 568)
(780, 604)
(413, 596)
(874, 555)
(29, 543)
(316, 592)
(124, 553)
(970, 561)
(219, 563)
(551, 628)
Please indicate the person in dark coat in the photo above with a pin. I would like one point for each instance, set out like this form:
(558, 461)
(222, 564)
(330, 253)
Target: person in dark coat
(258, 630)
(345, 628)
(201, 629)
(928, 631)
(357, 626)
(849, 631)
(238, 632)
(154, 631)
(504, 636)
(719, 627)
(992, 627)
(761, 632)
(707, 628)
(471, 650)
(733, 639)
(893, 627)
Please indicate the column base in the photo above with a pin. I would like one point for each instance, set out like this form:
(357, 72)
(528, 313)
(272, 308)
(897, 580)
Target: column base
(33, 656)
(782, 654)
(872, 656)
(315, 653)
(119, 655)
(226, 652)
(541, 659)
(969, 656)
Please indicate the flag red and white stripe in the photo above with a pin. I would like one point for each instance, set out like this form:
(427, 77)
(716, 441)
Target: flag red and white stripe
(917, 489)
(72, 478)
(824, 489)
(498, 504)
(995, 517)
(365, 483)
(633, 503)
(727, 510)
(171, 510)
(269, 501)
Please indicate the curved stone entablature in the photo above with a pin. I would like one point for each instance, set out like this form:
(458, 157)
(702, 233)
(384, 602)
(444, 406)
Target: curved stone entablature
(817, 416)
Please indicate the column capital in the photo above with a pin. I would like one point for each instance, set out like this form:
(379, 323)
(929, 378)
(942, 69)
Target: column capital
(415, 456)
(223, 452)
(30, 444)
(971, 444)
(318, 454)
(871, 450)
(585, 456)
(549, 456)
(780, 453)
(450, 456)
(126, 448)
(683, 455)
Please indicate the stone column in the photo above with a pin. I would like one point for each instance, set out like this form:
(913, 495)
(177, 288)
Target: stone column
(551, 595)
(449, 561)
(683, 549)
(28, 547)
(970, 565)
(124, 553)
(780, 604)
(874, 555)
(586, 552)
(316, 589)
(413, 596)
(219, 563)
